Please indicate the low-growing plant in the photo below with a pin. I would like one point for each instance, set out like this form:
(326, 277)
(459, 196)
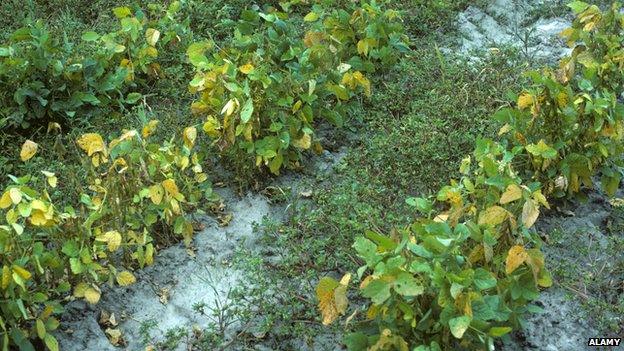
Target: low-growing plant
(570, 123)
(43, 78)
(261, 96)
(136, 191)
(367, 38)
(465, 272)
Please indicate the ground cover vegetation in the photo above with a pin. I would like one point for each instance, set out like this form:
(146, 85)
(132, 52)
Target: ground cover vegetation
(116, 118)
(131, 187)
(466, 271)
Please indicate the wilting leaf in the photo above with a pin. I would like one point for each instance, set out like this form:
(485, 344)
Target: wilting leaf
(170, 187)
(156, 193)
(459, 325)
(246, 69)
(91, 143)
(516, 256)
(51, 178)
(387, 341)
(525, 100)
(112, 239)
(149, 128)
(493, 215)
(530, 212)
(29, 149)
(512, 193)
(5, 200)
(332, 297)
(189, 136)
(151, 36)
(304, 142)
(92, 295)
(125, 278)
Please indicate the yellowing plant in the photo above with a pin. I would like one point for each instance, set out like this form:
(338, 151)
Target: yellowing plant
(262, 96)
(465, 271)
(138, 193)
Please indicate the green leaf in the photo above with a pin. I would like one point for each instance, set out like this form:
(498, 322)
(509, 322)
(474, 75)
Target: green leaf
(132, 98)
(75, 265)
(407, 285)
(311, 17)
(382, 241)
(90, 36)
(459, 325)
(499, 331)
(542, 149)
(51, 342)
(367, 250)
(378, 291)
(122, 12)
(483, 279)
(578, 6)
(247, 111)
(423, 205)
(41, 329)
(195, 53)
(356, 341)
(611, 184)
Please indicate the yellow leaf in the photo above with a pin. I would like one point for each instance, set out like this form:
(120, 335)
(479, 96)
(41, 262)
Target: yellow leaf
(212, 126)
(125, 278)
(525, 100)
(156, 193)
(92, 143)
(229, 108)
(5, 200)
(246, 69)
(170, 187)
(387, 341)
(189, 136)
(340, 294)
(304, 142)
(515, 257)
(79, 290)
(29, 149)
(504, 129)
(112, 239)
(512, 193)
(24, 274)
(6, 277)
(363, 82)
(332, 297)
(539, 197)
(149, 128)
(493, 215)
(16, 195)
(39, 218)
(51, 178)
(151, 36)
(362, 47)
(530, 212)
(114, 336)
(92, 295)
